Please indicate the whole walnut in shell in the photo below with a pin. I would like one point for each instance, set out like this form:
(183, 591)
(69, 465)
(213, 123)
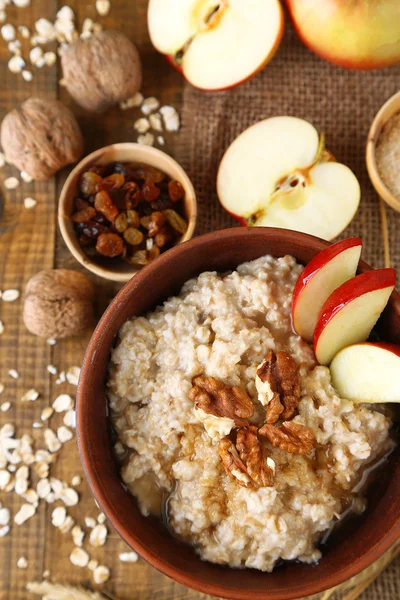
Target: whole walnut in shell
(102, 70)
(58, 303)
(40, 137)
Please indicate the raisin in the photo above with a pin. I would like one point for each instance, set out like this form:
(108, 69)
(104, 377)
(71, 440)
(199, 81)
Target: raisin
(103, 204)
(145, 209)
(175, 220)
(112, 182)
(84, 215)
(153, 223)
(133, 218)
(99, 218)
(89, 183)
(80, 204)
(110, 244)
(84, 240)
(162, 202)
(93, 229)
(133, 236)
(132, 194)
(148, 173)
(139, 258)
(121, 222)
(150, 191)
(175, 190)
(163, 237)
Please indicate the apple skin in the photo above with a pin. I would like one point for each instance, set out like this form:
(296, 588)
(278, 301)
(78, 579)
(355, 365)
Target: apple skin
(316, 264)
(273, 50)
(349, 291)
(310, 17)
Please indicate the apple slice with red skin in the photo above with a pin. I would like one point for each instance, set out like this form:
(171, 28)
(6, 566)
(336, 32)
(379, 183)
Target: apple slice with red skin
(216, 44)
(351, 311)
(321, 276)
(367, 372)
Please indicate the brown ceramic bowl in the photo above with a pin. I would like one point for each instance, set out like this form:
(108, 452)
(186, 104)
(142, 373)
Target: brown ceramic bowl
(354, 547)
(115, 269)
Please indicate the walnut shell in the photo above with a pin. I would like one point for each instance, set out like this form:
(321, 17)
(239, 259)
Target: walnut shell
(102, 70)
(58, 303)
(40, 137)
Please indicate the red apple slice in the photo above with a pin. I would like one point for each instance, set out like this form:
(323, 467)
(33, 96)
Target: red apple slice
(351, 311)
(368, 372)
(216, 44)
(322, 275)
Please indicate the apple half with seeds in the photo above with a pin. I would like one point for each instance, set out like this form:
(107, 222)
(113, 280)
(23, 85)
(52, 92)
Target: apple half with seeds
(351, 311)
(367, 372)
(277, 173)
(216, 44)
(320, 277)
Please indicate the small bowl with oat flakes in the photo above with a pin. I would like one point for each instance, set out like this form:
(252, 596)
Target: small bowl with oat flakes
(124, 205)
(383, 152)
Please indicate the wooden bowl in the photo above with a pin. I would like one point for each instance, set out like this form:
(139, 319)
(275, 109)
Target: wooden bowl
(355, 546)
(390, 107)
(126, 152)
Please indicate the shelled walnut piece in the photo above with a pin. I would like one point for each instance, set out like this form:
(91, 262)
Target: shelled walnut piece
(216, 398)
(58, 303)
(278, 385)
(40, 137)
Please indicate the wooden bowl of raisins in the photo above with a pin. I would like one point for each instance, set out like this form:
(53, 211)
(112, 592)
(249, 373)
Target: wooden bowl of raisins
(122, 206)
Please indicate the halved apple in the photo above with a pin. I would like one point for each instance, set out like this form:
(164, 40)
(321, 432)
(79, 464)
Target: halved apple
(351, 311)
(367, 372)
(216, 44)
(321, 276)
(277, 173)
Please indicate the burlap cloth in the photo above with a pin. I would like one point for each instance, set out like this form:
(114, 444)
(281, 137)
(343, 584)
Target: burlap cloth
(340, 102)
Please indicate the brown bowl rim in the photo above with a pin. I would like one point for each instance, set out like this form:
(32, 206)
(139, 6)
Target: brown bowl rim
(89, 159)
(297, 589)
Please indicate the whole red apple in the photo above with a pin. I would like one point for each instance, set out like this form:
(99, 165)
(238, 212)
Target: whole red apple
(358, 34)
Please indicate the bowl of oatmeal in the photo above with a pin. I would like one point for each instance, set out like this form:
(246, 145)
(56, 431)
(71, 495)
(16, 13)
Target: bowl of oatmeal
(194, 330)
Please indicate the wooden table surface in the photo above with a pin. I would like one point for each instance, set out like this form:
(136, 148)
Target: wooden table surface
(30, 241)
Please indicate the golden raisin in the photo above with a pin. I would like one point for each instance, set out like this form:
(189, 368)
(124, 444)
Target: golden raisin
(89, 183)
(175, 190)
(110, 244)
(175, 220)
(104, 204)
(148, 173)
(132, 194)
(121, 222)
(113, 182)
(153, 223)
(133, 236)
(84, 215)
(163, 237)
(133, 218)
(150, 191)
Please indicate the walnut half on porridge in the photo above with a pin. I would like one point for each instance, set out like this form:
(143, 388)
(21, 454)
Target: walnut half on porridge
(278, 385)
(216, 398)
(291, 437)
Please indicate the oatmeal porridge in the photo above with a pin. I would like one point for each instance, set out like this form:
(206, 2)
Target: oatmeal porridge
(196, 390)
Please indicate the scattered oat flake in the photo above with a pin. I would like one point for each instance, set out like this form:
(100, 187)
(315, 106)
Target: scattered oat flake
(1, 388)
(51, 341)
(15, 65)
(62, 403)
(58, 516)
(25, 512)
(51, 440)
(45, 29)
(10, 295)
(129, 557)
(5, 530)
(77, 535)
(37, 425)
(4, 478)
(64, 434)
(46, 573)
(67, 525)
(15, 47)
(13, 373)
(21, 486)
(146, 140)
(27, 76)
(66, 14)
(103, 7)
(11, 182)
(101, 518)
(30, 396)
(76, 480)
(79, 557)
(3, 16)
(29, 202)
(156, 122)
(69, 496)
(171, 118)
(21, 3)
(72, 375)
(24, 175)
(150, 105)
(31, 496)
(8, 32)
(24, 31)
(43, 488)
(52, 369)
(5, 406)
(101, 574)
(22, 563)
(50, 58)
(4, 516)
(87, 25)
(132, 102)
(142, 125)
(90, 522)
(46, 413)
(93, 564)
(98, 536)
(1, 327)
(69, 419)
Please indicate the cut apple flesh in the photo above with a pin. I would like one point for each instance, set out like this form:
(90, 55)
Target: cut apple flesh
(367, 373)
(351, 312)
(276, 174)
(323, 274)
(219, 43)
